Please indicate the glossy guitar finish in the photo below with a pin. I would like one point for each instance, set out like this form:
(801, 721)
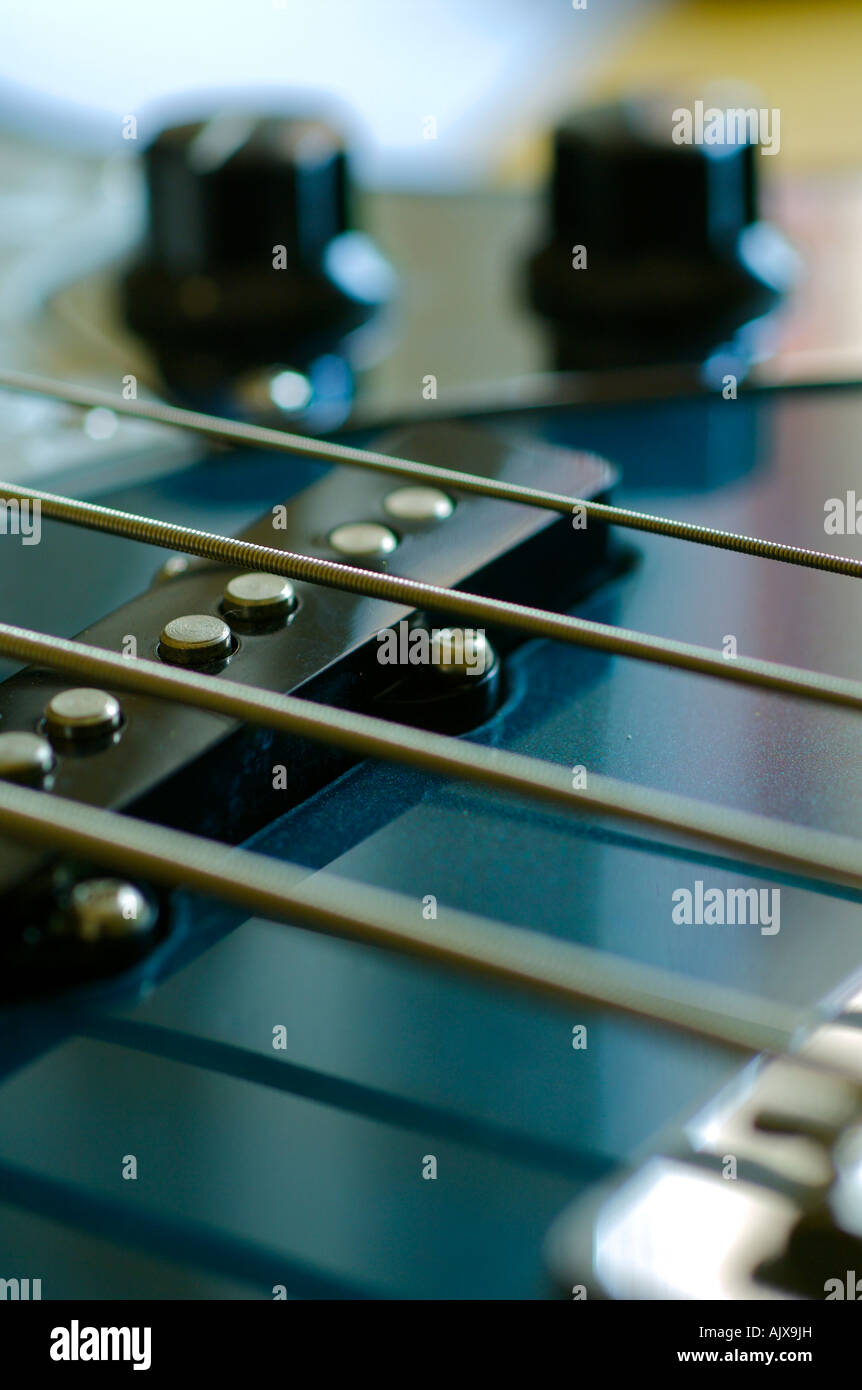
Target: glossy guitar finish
(303, 1167)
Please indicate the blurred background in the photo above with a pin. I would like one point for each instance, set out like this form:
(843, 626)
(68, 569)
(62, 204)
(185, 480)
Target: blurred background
(443, 115)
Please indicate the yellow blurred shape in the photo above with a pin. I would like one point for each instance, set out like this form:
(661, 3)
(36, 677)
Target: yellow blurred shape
(804, 58)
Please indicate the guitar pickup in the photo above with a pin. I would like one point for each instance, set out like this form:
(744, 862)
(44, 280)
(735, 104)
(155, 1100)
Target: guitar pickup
(194, 770)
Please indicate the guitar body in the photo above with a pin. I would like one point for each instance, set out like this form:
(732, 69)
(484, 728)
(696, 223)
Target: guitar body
(255, 1110)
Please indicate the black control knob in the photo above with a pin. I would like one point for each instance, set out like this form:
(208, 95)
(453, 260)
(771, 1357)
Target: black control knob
(655, 252)
(250, 258)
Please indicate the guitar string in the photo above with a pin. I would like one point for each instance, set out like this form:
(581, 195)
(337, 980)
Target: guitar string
(261, 437)
(414, 593)
(559, 971)
(841, 692)
(813, 854)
